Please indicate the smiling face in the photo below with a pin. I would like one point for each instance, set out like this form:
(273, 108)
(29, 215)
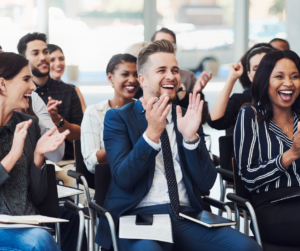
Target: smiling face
(284, 84)
(18, 90)
(161, 76)
(124, 80)
(253, 64)
(57, 64)
(38, 55)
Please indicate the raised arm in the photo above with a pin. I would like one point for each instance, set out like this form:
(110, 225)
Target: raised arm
(45, 123)
(219, 108)
(255, 173)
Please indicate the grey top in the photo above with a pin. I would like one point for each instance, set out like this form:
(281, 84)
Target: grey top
(15, 187)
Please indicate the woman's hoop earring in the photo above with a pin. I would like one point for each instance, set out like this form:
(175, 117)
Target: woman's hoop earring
(112, 85)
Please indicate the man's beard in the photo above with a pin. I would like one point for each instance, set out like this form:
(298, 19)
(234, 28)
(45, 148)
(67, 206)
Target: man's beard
(36, 72)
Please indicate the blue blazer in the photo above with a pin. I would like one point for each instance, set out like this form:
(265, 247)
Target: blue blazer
(132, 164)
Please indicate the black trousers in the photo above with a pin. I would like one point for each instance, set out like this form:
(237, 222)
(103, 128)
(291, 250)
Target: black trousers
(279, 223)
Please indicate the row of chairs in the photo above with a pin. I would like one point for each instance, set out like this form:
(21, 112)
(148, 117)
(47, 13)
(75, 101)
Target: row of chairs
(241, 197)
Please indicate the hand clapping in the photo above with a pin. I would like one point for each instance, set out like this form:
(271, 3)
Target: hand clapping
(202, 81)
(156, 114)
(190, 123)
(48, 142)
(53, 111)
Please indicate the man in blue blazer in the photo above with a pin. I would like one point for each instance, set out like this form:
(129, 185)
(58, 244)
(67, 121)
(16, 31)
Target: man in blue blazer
(159, 161)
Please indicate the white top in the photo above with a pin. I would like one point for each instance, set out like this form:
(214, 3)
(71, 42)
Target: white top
(158, 193)
(46, 123)
(92, 127)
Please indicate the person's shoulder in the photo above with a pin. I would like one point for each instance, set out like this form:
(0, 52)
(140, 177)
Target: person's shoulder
(103, 106)
(249, 111)
(124, 110)
(63, 85)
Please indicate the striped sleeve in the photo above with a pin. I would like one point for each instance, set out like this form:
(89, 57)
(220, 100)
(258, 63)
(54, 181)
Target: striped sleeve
(254, 173)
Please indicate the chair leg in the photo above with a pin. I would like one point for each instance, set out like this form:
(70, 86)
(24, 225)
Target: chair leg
(246, 223)
(222, 192)
(57, 233)
(87, 223)
(80, 231)
(255, 224)
(237, 217)
(97, 224)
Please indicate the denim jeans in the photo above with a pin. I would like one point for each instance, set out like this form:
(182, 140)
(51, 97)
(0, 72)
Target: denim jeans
(27, 239)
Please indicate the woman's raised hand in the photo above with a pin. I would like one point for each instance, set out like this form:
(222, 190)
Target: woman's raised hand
(19, 139)
(235, 71)
(48, 142)
(296, 143)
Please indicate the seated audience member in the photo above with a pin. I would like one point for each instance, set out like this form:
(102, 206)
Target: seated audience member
(23, 181)
(122, 74)
(62, 98)
(57, 69)
(224, 113)
(280, 44)
(159, 161)
(267, 147)
(38, 109)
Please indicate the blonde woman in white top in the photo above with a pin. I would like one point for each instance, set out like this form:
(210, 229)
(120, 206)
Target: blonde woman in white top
(122, 74)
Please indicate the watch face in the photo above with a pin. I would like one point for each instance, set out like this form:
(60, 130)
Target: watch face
(61, 123)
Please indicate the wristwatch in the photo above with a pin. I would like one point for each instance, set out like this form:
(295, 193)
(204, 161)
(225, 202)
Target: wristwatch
(60, 123)
(193, 141)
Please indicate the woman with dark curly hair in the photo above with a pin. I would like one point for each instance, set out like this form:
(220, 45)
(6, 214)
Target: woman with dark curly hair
(225, 111)
(267, 147)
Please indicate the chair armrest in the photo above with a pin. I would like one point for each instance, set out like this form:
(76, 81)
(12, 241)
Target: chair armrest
(75, 175)
(225, 172)
(237, 199)
(72, 207)
(98, 209)
(215, 203)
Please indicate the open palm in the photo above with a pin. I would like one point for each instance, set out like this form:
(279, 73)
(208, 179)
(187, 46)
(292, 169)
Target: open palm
(190, 123)
(48, 142)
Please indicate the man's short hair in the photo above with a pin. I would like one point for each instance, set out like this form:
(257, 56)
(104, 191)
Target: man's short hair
(164, 30)
(22, 45)
(157, 46)
(280, 40)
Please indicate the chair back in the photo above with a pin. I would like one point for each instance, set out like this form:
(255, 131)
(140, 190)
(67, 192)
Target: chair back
(80, 166)
(226, 150)
(102, 181)
(239, 185)
(50, 205)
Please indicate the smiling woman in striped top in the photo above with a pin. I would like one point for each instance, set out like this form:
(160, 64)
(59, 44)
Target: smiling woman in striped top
(267, 147)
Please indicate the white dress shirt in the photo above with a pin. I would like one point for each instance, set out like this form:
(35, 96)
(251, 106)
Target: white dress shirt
(92, 127)
(46, 123)
(158, 193)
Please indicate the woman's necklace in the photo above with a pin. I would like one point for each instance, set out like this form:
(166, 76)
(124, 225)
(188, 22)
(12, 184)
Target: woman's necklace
(284, 123)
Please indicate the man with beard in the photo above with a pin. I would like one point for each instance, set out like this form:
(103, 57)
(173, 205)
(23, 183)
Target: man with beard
(159, 161)
(65, 110)
(61, 99)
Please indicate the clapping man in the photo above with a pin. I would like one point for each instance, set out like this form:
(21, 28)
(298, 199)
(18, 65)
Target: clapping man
(159, 161)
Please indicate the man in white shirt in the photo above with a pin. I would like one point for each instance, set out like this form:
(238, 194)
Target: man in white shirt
(159, 161)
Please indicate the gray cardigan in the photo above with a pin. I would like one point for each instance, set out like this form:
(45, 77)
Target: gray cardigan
(38, 177)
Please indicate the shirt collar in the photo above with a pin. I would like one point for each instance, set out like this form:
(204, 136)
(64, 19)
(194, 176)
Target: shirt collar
(169, 116)
(11, 125)
(45, 86)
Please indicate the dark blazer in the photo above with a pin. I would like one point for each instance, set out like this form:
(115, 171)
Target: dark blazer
(38, 177)
(132, 163)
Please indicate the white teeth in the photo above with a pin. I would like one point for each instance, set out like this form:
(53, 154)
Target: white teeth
(170, 86)
(27, 95)
(286, 92)
(58, 69)
(129, 87)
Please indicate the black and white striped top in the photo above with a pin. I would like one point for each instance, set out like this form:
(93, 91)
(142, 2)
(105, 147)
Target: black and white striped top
(258, 153)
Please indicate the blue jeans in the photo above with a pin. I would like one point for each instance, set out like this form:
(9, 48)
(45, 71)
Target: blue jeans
(27, 239)
(190, 236)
